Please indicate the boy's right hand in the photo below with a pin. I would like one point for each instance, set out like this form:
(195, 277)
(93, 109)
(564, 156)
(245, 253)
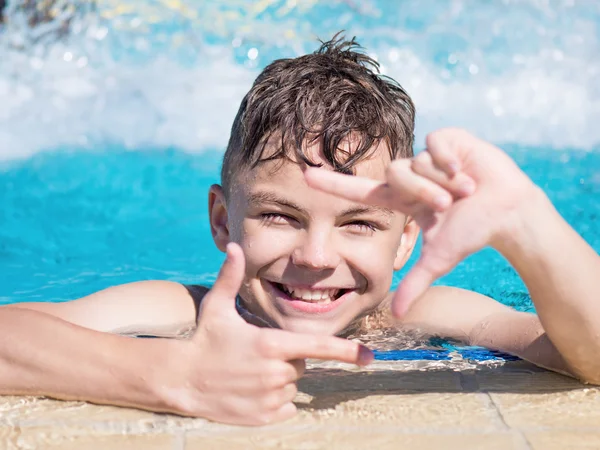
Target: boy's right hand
(234, 372)
(463, 192)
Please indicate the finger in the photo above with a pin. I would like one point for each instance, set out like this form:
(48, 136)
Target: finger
(358, 189)
(225, 290)
(459, 185)
(414, 284)
(299, 366)
(414, 190)
(431, 265)
(288, 346)
(287, 411)
(289, 392)
(439, 144)
(402, 193)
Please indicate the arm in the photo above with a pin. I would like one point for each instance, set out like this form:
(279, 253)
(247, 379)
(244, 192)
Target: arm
(159, 308)
(499, 207)
(44, 355)
(479, 320)
(562, 274)
(253, 383)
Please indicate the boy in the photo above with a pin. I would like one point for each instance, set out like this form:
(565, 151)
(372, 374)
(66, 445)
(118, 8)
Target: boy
(303, 264)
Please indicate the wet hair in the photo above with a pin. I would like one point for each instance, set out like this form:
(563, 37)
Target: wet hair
(332, 96)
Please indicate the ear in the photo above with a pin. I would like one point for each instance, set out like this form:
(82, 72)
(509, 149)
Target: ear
(407, 243)
(217, 211)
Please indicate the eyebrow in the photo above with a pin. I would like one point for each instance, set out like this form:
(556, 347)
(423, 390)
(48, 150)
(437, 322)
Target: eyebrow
(270, 197)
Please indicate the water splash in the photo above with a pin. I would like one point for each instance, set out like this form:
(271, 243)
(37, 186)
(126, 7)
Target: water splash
(171, 73)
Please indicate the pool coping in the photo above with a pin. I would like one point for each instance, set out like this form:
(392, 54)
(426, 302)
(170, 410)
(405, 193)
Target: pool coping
(416, 404)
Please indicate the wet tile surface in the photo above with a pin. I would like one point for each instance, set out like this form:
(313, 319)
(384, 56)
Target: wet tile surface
(391, 405)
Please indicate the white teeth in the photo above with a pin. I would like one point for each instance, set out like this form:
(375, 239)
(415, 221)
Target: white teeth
(309, 295)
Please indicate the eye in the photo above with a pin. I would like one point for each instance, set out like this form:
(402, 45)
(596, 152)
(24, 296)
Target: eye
(275, 218)
(362, 227)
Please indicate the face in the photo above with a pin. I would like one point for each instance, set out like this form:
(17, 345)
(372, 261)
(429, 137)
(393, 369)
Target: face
(314, 263)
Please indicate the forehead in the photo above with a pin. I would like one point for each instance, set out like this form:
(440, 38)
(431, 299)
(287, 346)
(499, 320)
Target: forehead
(374, 165)
(285, 178)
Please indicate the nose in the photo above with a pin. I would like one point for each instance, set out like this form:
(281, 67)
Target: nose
(316, 251)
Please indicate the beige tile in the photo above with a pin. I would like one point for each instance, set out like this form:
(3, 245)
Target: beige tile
(570, 409)
(349, 439)
(30, 410)
(426, 411)
(77, 439)
(561, 440)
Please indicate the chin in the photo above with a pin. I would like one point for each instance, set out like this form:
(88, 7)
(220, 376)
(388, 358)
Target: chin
(307, 326)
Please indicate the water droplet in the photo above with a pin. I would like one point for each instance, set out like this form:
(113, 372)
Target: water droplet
(82, 62)
(101, 33)
(36, 63)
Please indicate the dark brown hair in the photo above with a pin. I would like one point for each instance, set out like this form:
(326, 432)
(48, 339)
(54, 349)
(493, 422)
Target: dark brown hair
(331, 95)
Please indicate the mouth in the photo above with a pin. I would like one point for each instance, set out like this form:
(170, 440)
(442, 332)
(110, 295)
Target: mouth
(309, 300)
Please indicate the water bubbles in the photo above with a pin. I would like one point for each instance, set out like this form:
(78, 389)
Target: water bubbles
(505, 73)
(142, 45)
(498, 111)
(518, 59)
(493, 94)
(82, 61)
(101, 33)
(36, 63)
(558, 55)
(253, 53)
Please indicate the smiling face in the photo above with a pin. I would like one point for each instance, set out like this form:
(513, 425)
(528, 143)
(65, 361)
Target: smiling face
(314, 263)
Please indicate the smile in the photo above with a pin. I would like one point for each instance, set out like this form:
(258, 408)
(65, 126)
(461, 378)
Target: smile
(308, 300)
(311, 295)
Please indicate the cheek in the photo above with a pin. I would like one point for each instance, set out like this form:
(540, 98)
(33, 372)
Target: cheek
(263, 245)
(375, 260)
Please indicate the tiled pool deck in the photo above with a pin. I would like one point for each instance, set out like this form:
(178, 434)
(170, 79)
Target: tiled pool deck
(390, 405)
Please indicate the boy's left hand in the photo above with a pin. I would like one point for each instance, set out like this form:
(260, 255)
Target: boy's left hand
(464, 193)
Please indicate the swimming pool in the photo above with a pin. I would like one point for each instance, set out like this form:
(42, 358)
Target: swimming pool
(110, 136)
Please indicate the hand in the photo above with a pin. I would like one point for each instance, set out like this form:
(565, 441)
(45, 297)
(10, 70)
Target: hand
(464, 193)
(238, 373)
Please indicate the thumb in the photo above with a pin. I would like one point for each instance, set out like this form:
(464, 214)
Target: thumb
(224, 292)
(414, 284)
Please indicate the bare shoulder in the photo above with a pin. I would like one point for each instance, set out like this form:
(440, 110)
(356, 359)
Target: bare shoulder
(452, 312)
(145, 307)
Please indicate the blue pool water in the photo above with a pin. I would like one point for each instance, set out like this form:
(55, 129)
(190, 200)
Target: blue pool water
(110, 135)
